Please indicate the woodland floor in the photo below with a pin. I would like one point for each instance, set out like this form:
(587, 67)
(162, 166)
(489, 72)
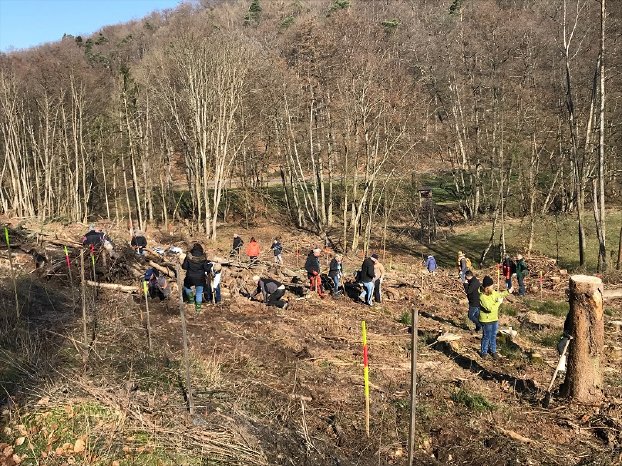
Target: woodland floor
(286, 387)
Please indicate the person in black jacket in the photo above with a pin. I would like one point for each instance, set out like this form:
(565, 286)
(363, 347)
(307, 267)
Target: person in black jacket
(366, 278)
(237, 246)
(139, 242)
(196, 266)
(312, 266)
(93, 238)
(471, 288)
(272, 291)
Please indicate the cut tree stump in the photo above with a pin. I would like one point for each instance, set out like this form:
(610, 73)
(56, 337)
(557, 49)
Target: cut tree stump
(584, 377)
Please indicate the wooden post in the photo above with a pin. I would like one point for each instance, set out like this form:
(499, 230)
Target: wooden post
(146, 291)
(413, 388)
(184, 334)
(83, 299)
(8, 246)
(584, 378)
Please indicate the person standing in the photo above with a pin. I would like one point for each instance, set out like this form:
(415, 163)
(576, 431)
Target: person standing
(272, 290)
(196, 266)
(366, 277)
(335, 272)
(277, 249)
(93, 238)
(237, 246)
(471, 288)
(521, 272)
(312, 266)
(213, 290)
(139, 242)
(490, 301)
(508, 268)
(462, 265)
(252, 251)
(430, 264)
(379, 273)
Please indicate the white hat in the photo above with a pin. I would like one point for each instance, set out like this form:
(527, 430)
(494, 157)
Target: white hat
(256, 278)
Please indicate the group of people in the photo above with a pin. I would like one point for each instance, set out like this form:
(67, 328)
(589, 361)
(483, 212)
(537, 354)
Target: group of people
(369, 277)
(484, 301)
(515, 268)
(253, 250)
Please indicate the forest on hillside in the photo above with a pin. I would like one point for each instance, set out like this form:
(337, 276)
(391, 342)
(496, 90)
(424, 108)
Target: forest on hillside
(343, 107)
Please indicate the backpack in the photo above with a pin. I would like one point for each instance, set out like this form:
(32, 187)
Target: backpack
(468, 263)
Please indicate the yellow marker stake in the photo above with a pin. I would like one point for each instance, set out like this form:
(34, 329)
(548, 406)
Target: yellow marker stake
(366, 376)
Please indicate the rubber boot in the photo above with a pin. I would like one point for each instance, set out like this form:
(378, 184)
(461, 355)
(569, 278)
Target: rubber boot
(197, 307)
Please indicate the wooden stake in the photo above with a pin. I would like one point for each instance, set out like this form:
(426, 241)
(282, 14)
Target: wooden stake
(8, 245)
(413, 388)
(83, 299)
(540, 284)
(184, 335)
(365, 376)
(146, 290)
(68, 262)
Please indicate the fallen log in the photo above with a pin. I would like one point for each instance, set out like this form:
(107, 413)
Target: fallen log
(612, 294)
(165, 270)
(113, 286)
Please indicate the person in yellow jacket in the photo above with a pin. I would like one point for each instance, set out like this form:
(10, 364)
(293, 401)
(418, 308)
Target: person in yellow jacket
(489, 302)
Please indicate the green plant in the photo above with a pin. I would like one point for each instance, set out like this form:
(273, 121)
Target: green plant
(286, 22)
(253, 12)
(473, 401)
(406, 318)
(390, 24)
(340, 5)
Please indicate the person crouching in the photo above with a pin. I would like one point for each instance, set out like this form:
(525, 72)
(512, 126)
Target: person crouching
(271, 290)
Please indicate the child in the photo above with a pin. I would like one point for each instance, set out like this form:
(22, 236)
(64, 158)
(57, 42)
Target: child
(215, 275)
(277, 248)
(335, 272)
(430, 264)
(489, 303)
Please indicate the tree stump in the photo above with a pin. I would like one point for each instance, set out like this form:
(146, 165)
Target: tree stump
(584, 377)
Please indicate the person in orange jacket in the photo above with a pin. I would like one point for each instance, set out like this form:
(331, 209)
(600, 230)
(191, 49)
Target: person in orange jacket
(252, 251)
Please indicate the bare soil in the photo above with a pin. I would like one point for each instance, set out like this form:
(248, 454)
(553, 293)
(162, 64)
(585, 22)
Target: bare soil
(277, 386)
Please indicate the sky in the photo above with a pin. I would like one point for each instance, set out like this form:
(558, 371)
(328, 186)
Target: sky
(27, 23)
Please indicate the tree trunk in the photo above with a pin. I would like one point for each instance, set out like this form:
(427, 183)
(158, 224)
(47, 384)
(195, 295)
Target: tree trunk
(584, 379)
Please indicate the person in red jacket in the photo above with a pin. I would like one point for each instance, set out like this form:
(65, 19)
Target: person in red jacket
(252, 251)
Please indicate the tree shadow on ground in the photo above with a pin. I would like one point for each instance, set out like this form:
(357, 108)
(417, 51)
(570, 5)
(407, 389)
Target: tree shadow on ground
(31, 344)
